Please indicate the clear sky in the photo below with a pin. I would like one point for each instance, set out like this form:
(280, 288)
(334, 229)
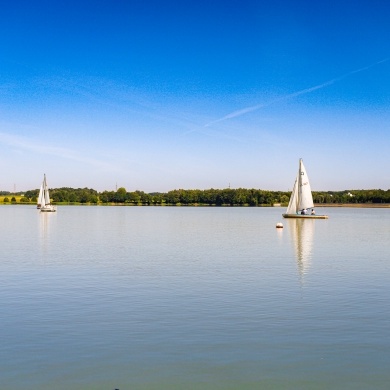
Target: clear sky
(161, 95)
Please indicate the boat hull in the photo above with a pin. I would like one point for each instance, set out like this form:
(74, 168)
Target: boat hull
(305, 216)
(48, 209)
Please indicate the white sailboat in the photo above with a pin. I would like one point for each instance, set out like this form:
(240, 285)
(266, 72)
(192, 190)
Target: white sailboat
(301, 202)
(46, 205)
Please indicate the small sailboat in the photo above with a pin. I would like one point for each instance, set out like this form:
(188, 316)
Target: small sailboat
(45, 204)
(301, 202)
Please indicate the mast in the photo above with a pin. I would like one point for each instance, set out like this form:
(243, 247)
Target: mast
(300, 183)
(46, 190)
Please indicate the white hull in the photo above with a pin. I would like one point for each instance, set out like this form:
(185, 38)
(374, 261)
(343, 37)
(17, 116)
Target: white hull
(305, 216)
(48, 209)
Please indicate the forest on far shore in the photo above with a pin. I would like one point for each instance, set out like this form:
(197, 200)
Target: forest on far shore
(209, 197)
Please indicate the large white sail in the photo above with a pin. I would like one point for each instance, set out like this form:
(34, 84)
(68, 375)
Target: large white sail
(46, 191)
(43, 201)
(304, 191)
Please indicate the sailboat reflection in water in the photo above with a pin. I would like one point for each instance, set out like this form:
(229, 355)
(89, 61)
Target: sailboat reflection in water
(302, 235)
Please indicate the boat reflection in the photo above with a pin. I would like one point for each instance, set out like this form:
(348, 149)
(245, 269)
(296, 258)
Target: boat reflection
(45, 221)
(302, 235)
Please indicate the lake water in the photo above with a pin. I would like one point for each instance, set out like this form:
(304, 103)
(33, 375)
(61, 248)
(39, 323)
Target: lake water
(193, 298)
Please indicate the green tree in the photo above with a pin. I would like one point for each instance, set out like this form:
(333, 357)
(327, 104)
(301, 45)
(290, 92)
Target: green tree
(173, 197)
(84, 197)
(72, 197)
(284, 199)
(120, 195)
(93, 199)
(31, 194)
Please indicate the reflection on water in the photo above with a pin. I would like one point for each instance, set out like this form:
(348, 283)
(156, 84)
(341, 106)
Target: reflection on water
(302, 234)
(45, 221)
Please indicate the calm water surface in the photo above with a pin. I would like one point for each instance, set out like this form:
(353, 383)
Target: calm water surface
(193, 298)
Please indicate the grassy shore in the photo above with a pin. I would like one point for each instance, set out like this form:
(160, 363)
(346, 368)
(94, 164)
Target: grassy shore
(17, 197)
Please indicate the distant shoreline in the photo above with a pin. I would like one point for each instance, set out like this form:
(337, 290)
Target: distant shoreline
(355, 205)
(349, 205)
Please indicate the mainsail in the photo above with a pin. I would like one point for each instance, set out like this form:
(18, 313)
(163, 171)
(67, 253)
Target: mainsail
(304, 191)
(46, 191)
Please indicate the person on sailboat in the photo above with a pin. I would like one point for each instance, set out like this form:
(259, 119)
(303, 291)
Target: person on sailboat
(313, 212)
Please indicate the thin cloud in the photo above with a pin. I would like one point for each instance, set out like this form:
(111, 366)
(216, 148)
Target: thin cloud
(25, 143)
(246, 110)
(210, 133)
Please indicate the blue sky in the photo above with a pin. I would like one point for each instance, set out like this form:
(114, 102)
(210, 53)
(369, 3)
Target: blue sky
(160, 95)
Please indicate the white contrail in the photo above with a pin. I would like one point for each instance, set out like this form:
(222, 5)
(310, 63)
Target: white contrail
(243, 111)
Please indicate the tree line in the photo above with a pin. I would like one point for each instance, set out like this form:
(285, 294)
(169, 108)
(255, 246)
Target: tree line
(210, 197)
